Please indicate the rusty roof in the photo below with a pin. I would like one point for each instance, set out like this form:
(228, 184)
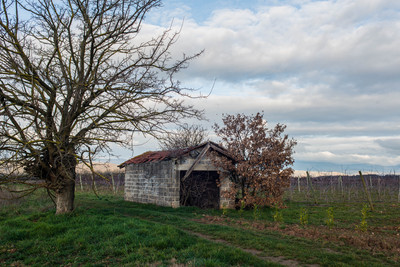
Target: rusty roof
(153, 156)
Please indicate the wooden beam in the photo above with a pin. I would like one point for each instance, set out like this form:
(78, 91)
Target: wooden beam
(197, 160)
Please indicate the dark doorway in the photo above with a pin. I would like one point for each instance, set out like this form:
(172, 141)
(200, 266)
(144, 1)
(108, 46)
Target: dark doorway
(200, 189)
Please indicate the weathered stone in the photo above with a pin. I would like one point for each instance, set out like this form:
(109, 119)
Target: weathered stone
(158, 182)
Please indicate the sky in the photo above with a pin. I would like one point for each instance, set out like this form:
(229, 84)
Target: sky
(329, 70)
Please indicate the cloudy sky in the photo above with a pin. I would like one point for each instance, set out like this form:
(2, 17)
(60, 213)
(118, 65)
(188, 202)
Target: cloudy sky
(329, 70)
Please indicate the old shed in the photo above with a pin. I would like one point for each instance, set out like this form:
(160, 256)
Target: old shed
(182, 177)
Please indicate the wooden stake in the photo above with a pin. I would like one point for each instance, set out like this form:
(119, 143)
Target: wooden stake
(113, 183)
(366, 191)
(298, 185)
(341, 185)
(80, 178)
(311, 187)
(398, 196)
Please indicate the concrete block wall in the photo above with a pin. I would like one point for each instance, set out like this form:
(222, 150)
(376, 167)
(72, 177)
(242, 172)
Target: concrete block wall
(152, 182)
(159, 182)
(223, 201)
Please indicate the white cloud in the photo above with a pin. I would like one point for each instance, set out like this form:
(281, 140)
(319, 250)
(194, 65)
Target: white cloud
(297, 106)
(346, 150)
(391, 145)
(285, 40)
(327, 69)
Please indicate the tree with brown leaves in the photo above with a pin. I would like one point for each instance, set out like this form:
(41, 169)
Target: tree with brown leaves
(76, 76)
(260, 170)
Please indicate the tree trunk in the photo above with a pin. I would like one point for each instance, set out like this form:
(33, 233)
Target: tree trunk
(66, 178)
(65, 198)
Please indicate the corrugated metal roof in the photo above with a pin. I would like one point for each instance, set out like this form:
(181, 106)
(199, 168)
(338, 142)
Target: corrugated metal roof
(153, 156)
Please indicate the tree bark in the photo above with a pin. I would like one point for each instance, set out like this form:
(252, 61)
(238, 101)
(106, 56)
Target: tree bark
(65, 198)
(65, 193)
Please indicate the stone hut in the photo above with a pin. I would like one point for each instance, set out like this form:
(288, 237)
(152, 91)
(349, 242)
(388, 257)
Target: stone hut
(182, 177)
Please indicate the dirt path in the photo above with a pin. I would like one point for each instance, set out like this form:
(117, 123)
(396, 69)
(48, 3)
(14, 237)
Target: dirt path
(259, 254)
(375, 240)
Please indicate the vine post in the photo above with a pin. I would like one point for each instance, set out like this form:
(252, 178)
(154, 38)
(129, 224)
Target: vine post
(311, 187)
(366, 191)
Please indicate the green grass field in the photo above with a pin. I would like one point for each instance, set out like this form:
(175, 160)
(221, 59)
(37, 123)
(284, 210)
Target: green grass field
(109, 231)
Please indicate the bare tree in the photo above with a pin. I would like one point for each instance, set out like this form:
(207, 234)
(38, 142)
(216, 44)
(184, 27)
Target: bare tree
(186, 136)
(260, 169)
(75, 76)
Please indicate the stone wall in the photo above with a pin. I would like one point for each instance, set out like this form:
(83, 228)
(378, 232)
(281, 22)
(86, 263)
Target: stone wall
(152, 182)
(159, 182)
(225, 202)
